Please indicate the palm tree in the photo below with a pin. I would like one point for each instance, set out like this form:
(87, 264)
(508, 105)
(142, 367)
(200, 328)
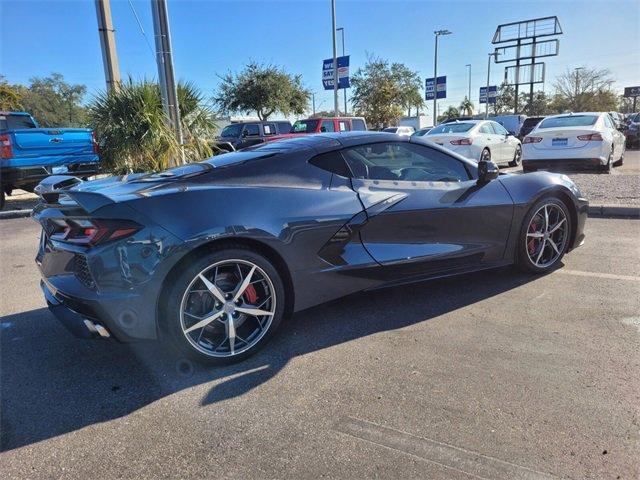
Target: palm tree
(466, 107)
(132, 131)
(449, 113)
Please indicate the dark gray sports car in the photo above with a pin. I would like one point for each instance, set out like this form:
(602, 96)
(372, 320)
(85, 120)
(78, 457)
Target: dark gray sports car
(213, 255)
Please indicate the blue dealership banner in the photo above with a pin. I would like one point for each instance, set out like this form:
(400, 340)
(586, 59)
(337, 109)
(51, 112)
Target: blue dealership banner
(441, 86)
(343, 73)
(493, 93)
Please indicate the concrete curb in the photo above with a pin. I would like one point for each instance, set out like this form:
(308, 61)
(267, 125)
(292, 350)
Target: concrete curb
(614, 211)
(15, 214)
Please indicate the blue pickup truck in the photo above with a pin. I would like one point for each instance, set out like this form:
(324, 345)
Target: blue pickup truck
(29, 154)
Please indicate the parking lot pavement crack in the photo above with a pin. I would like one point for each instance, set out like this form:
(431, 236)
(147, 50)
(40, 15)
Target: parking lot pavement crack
(456, 458)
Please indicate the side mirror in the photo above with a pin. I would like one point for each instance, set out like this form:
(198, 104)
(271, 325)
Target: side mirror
(487, 171)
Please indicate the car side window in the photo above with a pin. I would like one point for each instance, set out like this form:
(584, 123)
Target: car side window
(284, 127)
(327, 126)
(486, 129)
(251, 130)
(358, 124)
(499, 129)
(404, 161)
(607, 121)
(269, 129)
(344, 126)
(332, 162)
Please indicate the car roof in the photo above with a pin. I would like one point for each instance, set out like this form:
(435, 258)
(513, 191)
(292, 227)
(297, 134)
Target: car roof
(576, 113)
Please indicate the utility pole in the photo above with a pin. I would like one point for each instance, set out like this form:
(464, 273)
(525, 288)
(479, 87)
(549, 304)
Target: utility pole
(335, 59)
(166, 77)
(437, 33)
(344, 90)
(469, 65)
(108, 44)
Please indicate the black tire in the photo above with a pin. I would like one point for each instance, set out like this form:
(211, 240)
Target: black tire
(620, 162)
(609, 166)
(170, 318)
(1, 198)
(523, 262)
(517, 157)
(485, 155)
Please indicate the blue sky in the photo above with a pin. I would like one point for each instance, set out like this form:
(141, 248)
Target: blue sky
(213, 37)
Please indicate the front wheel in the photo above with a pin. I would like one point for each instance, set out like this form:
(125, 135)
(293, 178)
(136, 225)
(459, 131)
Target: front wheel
(544, 236)
(225, 306)
(517, 157)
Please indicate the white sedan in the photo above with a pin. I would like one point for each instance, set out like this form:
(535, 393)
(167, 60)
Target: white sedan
(478, 140)
(587, 139)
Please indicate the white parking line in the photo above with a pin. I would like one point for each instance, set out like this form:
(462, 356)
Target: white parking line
(610, 276)
(455, 458)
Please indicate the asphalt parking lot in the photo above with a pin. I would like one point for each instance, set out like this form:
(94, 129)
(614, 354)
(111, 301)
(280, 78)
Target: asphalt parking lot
(490, 375)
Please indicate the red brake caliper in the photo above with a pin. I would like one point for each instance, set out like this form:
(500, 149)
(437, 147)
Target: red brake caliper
(531, 245)
(250, 295)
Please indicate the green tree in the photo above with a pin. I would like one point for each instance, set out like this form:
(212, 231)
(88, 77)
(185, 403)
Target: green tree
(540, 103)
(54, 102)
(263, 89)
(584, 90)
(449, 114)
(132, 131)
(466, 107)
(505, 99)
(10, 97)
(381, 92)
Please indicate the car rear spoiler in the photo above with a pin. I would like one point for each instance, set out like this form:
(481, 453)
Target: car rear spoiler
(51, 188)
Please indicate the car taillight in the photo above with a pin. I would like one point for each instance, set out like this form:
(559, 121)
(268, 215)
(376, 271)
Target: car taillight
(5, 147)
(592, 137)
(90, 232)
(462, 141)
(94, 142)
(532, 140)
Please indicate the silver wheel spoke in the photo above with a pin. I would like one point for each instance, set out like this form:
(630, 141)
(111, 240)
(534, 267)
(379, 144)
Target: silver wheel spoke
(231, 333)
(555, 247)
(204, 322)
(557, 225)
(535, 234)
(544, 243)
(546, 219)
(245, 283)
(215, 291)
(256, 312)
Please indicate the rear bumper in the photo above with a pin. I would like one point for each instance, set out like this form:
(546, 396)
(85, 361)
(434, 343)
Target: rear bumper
(18, 176)
(562, 163)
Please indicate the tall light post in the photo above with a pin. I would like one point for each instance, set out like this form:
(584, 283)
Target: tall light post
(437, 33)
(486, 105)
(344, 90)
(469, 97)
(335, 58)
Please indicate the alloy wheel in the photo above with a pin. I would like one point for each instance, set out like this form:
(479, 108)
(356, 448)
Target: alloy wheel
(546, 235)
(227, 308)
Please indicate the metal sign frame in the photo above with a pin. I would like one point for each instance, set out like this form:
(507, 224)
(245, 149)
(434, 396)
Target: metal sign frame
(534, 28)
(501, 52)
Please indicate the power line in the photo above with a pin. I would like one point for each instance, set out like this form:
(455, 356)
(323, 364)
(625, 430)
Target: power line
(135, 14)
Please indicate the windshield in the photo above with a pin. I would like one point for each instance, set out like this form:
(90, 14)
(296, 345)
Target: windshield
(569, 121)
(452, 128)
(305, 126)
(232, 130)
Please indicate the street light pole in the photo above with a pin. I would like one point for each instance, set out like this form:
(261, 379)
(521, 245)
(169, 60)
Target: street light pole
(437, 33)
(335, 59)
(469, 97)
(344, 90)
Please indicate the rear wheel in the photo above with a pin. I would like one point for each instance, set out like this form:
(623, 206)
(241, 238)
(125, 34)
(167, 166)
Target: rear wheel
(544, 236)
(620, 161)
(517, 157)
(609, 166)
(225, 306)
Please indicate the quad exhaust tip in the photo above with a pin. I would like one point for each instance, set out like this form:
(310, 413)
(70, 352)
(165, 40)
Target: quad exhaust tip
(96, 328)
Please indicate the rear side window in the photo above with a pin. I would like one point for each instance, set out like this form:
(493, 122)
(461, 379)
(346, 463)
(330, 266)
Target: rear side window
(344, 126)
(358, 124)
(284, 127)
(499, 129)
(486, 129)
(569, 121)
(327, 126)
(251, 130)
(16, 122)
(269, 129)
(331, 162)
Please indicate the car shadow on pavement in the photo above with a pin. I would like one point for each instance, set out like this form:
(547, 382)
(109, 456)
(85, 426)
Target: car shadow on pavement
(54, 384)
